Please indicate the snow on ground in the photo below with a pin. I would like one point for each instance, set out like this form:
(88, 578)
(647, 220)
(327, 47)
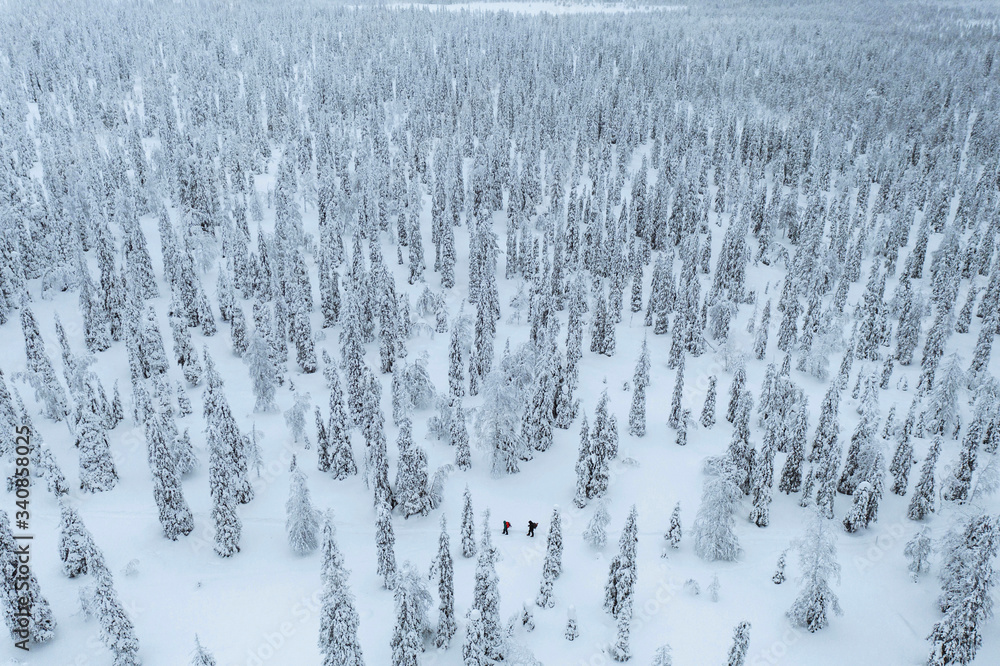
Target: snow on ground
(261, 606)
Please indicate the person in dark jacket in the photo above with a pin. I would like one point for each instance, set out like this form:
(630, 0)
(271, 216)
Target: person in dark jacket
(531, 528)
(505, 526)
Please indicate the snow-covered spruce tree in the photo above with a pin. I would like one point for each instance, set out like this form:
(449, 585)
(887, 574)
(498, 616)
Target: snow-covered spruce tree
(385, 543)
(779, 571)
(459, 438)
(713, 588)
(674, 418)
(475, 648)
(984, 347)
(407, 634)
(201, 657)
(456, 375)
(735, 390)
(957, 486)
(714, 537)
(741, 643)
(322, 443)
(342, 462)
(922, 501)
(760, 336)
(263, 375)
(825, 454)
(602, 448)
(411, 484)
(708, 411)
(818, 559)
(468, 525)
(238, 332)
(572, 632)
(117, 629)
(486, 598)
(552, 566)
(956, 638)
(641, 374)
(902, 459)
(175, 516)
(76, 546)
(761, 482)
(596, 532)
(25, 610)
(637, 413)
(791, 473)
(942, 408)
(184, 407)
(536, 426)
(740, 452)
(918, 552)
(338, 622)
(224, 472)
(446, 626)
(97, 468)
(554, 546)
(621, 651)
(619, 591)
(184, 352)
(674, 532)
(301, 519)
(40, 373)
(662, 657)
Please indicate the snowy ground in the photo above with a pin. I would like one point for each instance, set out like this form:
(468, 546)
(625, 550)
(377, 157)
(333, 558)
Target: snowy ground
(262, 606)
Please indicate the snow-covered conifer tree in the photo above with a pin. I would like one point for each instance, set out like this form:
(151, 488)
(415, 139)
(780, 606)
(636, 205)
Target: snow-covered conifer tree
(27, 613)
(446, 626)
(338, 622)
(385, 542)
(596, 532)
(741, 643)
(619, 591)
(468, 525)
(302, 520)
(818, 559)
(922, 501)
(714, 536)
(202, 657)
(674, 532)
(918, 551)
(486, 597)
(175, 516)
(708, 411)
(97, 468)
(967, 579)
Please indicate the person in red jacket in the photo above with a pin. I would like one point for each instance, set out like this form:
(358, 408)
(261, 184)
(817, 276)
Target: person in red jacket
(505, 526)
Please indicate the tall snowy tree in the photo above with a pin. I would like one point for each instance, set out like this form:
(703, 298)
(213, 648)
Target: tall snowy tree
(302, 520)
(968, 577)
(175, 516)
(486, 597)
(714, 536)
(338, 622)
(818, 559)
(385, 543)
(27, 613)
(446, 626)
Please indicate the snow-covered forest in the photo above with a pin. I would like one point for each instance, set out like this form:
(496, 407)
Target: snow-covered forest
(302, 304)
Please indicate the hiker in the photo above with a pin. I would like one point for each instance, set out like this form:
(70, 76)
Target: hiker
(505, 526)
(531, 528)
